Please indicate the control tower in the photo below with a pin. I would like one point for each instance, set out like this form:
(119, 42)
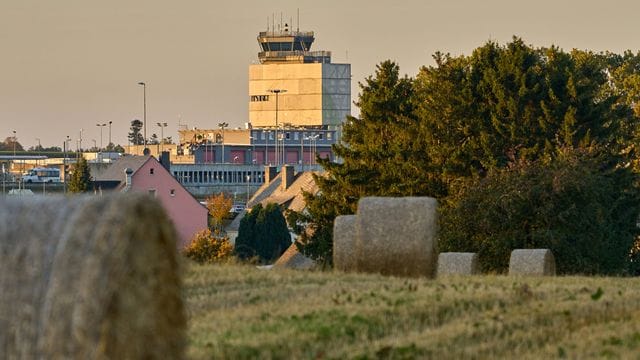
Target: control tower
(305, 88)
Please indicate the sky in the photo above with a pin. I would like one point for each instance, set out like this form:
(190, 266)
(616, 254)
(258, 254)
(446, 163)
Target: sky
(68, 65)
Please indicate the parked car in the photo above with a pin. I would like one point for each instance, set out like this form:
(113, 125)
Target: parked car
(237, 208)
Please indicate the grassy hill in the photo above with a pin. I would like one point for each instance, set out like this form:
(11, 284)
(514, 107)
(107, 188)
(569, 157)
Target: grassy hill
(238, 312)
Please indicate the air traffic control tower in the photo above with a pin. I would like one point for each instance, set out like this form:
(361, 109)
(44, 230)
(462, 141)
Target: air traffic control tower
(305, 87)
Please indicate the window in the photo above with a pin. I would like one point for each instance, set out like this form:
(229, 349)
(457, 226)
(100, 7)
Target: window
(296, 135)
(329, 135)
(319, 136)
(172, 192)
(288, 136)
(152, 192)
(151, 171)
(262, 135)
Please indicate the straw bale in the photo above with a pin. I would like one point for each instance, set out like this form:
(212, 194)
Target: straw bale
(397, 236)
(535, 262)
(89, 278)
(344, 243)
(458, 263)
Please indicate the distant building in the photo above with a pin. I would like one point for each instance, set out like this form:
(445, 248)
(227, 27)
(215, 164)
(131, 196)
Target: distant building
(146, 174)
(295, 85)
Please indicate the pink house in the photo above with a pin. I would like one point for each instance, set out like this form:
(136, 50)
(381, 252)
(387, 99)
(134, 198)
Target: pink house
(146, 174)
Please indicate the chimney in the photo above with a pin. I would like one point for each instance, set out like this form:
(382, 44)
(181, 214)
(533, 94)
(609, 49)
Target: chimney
(270, 172)
(287, 176)
(164, 160)
(128, 172)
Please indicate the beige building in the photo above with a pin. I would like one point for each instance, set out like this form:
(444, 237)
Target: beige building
(303, 86)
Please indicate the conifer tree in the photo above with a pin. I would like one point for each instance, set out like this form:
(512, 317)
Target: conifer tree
(81, 177)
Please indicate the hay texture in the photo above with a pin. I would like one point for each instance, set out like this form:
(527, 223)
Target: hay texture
(397, 236)
(533, 262)
(89, 278)
(344, 241)
(454, 263)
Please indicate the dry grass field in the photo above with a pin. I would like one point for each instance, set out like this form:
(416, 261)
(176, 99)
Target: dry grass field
(240, 312)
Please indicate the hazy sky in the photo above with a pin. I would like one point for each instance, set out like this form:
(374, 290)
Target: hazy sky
(69, 64)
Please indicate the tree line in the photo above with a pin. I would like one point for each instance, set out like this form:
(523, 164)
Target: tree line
(523, 146)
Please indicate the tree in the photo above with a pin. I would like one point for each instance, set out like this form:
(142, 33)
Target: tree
(584, 214)
(263, 233)
(380, 156)
(154, 140)
(10, 143)
(135, 136)
(80, 177)
(219, 206)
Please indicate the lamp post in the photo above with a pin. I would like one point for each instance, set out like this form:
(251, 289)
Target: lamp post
(277, 92)
(109, 134)
(80, 142)
(162, 126)
(15, 140)
(248, 180)
(64, 162)
(101, 126)
(222, 126)
(144, 113)
(94, 143)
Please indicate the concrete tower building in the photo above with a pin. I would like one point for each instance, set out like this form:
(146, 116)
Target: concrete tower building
(305, 88)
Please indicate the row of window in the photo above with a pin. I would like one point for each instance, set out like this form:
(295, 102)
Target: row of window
(297, 135)
(219, 177)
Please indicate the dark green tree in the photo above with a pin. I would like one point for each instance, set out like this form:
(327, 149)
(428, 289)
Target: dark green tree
(585, 214)
(135, 135)
(263, 233)
(80, 177)
(380, 155)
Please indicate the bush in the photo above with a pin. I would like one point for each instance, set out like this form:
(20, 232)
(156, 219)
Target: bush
(206, 248)
(263, 233)
(585, 213)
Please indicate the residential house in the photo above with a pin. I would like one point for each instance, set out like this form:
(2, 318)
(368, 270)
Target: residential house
(285, 189)
(146, 174)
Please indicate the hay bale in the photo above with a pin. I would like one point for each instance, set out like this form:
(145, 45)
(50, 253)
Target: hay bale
(397, 236)
(344, 243)
(89, 278)
(535, 262)
(458, 263)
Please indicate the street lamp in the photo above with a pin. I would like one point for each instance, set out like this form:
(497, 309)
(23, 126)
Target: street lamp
(277, 92)
(101, 126)
(162, 126)
(94, 143)
(15, 140)
(109, 133)
(223, 125)
(65, 146)
(144, 114)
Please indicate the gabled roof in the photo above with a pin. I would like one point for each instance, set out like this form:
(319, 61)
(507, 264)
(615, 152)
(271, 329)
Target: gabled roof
(115, 172)
(293, 259)
(292, 198)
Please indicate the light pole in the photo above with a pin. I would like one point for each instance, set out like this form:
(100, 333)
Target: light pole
(144, 114)
(277, 92)
(162, 126)
(80, 142)
(64, 162)
(222, 126)
(101, 126)
(109, 134)
(248, 180)
(15, 140)
(94, 143)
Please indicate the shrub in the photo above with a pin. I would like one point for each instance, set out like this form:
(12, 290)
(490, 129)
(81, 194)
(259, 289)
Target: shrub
(206, 248)
(263, 233)
(574, 205)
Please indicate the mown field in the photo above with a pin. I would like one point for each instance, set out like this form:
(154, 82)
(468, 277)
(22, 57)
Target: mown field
(239, 312)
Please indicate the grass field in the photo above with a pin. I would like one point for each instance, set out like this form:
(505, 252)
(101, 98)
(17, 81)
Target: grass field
(239, 312)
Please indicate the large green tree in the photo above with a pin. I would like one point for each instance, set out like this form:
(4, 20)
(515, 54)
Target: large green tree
(263, 233)
(80, 177)
(379, 155)
(468, 116)
(135, 134)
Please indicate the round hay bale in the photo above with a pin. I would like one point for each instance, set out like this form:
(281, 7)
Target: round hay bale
(458, 263)
(534, 262)
(344, 243)
(89, 277)
(397, 236)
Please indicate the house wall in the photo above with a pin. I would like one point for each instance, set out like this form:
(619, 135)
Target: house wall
(187, 214)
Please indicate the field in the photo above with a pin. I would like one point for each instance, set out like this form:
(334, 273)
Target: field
(239, 312)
